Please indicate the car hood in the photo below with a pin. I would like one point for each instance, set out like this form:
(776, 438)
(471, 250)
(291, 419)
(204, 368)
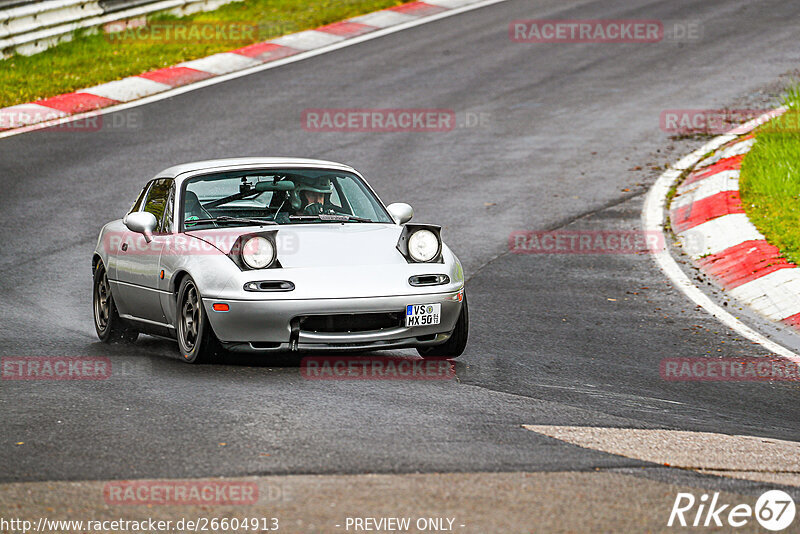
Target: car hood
(320, 244)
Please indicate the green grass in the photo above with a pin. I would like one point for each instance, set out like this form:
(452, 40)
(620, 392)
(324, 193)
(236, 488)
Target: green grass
(770, 180)
(89, 60)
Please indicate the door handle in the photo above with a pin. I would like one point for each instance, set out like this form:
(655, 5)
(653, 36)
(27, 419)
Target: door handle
(124, 247)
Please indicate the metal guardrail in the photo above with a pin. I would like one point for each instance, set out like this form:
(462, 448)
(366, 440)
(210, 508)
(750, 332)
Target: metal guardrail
(30, 27)
(5, 4)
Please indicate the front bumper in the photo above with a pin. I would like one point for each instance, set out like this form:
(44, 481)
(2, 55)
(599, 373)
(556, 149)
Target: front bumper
(266, 325)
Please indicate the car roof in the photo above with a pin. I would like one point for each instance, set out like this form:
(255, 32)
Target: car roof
(185, 170)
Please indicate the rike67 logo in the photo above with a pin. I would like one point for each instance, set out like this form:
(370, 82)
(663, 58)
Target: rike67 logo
(774, 510)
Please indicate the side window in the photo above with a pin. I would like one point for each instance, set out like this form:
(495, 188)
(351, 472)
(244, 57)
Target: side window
(166, 223)
(157, 196)
(138, 204)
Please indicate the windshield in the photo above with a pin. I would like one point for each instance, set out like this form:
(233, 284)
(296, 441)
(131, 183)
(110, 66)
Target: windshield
(290, 196)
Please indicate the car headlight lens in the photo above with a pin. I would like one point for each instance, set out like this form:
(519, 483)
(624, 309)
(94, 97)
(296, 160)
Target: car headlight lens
(423, 245)
(258, 252)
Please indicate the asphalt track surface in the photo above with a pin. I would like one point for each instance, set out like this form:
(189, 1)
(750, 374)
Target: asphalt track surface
(569, 139)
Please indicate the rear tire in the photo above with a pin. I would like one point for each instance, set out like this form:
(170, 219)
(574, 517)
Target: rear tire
(110, 327)
(453, 347)
(196, 339)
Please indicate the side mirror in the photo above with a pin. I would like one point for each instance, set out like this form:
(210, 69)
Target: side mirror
(400, 212)
(141, 222)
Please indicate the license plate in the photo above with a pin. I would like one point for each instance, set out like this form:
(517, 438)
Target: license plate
(423, 314)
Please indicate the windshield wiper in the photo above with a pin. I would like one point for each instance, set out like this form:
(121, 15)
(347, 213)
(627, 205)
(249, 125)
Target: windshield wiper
(330, 217)
(225, 218)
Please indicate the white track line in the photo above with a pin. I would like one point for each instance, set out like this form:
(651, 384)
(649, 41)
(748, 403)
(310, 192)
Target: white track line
(653, 221)
(259, 68)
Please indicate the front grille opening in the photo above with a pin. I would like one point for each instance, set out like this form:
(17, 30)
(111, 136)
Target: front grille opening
(351, 322)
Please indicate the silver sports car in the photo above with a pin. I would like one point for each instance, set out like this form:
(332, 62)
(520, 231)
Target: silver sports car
(275, 254)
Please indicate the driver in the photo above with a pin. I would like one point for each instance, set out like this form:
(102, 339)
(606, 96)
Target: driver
(314, 194)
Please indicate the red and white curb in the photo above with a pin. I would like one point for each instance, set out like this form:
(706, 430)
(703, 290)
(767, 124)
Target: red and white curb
(166, 79)
(710, 223)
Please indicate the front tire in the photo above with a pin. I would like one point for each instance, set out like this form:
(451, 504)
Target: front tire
(196, 339)
(453, 347)
(108, 324)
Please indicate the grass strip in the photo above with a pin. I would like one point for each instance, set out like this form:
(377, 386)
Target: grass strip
(91, 59)
(769, 183)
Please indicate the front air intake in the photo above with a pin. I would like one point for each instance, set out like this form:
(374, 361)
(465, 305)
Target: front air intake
(269, 285)
(429, 280)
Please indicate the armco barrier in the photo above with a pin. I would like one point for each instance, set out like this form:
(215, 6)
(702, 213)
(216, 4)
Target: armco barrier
(6, 4)
(30, 27)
